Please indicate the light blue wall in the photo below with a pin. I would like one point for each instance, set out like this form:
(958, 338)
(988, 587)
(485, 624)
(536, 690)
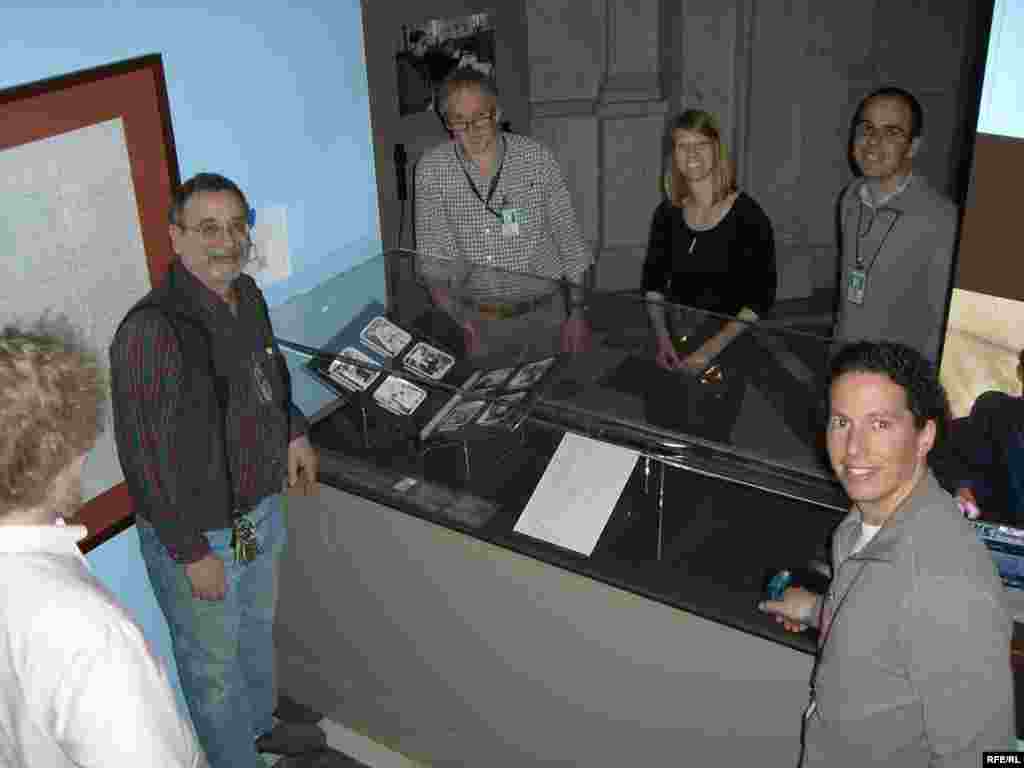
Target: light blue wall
(270, 95)
(273, 96)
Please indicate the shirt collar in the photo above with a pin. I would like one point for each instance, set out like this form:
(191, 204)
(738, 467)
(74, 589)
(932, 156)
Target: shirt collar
(892, 530)
(869, 199)
(201, 296)
(56, 539)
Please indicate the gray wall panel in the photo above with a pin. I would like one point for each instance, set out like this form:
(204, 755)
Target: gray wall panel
(633, 51)
(566, 49)
(799, 117)
(708, 56)
(631, 163)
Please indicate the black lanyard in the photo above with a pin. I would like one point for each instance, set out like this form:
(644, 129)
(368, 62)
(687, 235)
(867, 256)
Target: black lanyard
(494, 179)
(857, 258)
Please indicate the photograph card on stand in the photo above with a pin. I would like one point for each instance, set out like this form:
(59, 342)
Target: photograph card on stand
(399, 396)
(428, 361)
(461, 415)
(384, 337)
(447, 406)
(354, 370)
(401, 380)
(370, 344)
(395, 379)
(348, 338)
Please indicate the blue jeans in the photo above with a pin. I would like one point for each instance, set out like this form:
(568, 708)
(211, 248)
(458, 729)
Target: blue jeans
(224, 649)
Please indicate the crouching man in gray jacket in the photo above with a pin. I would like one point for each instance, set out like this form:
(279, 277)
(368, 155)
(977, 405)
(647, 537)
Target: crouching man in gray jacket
(913, 663)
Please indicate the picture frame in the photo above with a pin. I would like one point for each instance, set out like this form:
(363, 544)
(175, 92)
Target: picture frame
(134, 91)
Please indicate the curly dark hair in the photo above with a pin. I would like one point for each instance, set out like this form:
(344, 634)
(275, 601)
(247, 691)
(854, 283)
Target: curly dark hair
(906, 367)
(52, 396)
(202, 182)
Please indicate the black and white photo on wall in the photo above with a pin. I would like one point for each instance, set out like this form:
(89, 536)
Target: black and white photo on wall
(430, 51)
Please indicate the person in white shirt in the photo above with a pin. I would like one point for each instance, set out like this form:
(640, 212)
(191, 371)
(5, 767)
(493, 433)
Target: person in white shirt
(79, 686)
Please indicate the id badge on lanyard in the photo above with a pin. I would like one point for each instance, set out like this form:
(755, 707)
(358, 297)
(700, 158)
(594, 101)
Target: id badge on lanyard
(511, 218)
(856, 285)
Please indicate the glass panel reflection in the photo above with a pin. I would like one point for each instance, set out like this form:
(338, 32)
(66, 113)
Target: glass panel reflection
(468, 353)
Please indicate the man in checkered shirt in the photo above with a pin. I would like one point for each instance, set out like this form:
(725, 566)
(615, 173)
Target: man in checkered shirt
(497, 232)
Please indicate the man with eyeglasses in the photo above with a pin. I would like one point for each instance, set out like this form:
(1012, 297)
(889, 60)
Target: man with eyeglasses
(897, 232)
(208, 440)
(498, 200)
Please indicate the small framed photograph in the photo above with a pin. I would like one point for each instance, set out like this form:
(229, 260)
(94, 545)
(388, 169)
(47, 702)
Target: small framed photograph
(354, 377)
(492, 379)
(504, 411)
(384, 337)
(399, 396)
(428, 361)
(461, 415)
(530, 373)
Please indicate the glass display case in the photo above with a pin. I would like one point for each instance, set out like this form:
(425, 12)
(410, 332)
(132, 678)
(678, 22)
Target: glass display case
(452, 400)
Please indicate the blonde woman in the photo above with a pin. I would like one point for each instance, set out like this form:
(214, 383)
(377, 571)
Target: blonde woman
(711, 246)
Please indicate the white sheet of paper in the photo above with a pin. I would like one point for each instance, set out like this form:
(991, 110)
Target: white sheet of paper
(71, 244)
(271, 253)
(576, 494)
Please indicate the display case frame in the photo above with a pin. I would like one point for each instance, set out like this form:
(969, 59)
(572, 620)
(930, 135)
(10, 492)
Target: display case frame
(479, 487)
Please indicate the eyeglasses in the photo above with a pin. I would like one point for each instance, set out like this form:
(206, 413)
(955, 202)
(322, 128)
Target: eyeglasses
(477, 122)
(213, 231)
(692, 148)
(863, 131)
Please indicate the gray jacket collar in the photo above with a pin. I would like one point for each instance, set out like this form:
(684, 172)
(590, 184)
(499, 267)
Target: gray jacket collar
(883, 546)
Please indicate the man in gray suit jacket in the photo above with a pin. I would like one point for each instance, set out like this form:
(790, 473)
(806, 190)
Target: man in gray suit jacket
(897, 232)
(913, 663)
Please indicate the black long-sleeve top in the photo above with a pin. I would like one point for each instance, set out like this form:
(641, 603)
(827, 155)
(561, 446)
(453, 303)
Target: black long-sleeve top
(722, 269)
(167, 416)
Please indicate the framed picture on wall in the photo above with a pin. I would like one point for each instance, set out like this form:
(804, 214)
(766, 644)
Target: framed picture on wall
(87, 166)
(430, 51)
